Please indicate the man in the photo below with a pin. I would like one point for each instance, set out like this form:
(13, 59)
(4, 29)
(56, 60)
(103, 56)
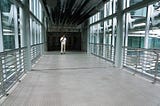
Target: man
(63, 44)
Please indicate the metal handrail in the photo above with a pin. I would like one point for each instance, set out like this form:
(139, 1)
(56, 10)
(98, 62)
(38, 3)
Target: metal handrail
(105, 51)
(145, 61)
(141, 60)
(12, 67)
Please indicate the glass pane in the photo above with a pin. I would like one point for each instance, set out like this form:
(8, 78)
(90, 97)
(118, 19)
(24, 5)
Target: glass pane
(154, 31)
(8, 11)
(132, 2)
(108, 8)
(136, 28)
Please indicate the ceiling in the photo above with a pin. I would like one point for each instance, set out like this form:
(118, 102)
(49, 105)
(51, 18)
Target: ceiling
(71, 12)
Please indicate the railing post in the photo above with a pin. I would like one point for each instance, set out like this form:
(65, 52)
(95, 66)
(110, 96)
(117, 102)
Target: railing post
(156, 67)
(136, 62)
(1, 77)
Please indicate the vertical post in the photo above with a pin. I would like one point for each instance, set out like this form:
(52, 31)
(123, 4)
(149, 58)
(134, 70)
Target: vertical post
(26, 33)
(156, 66)
(126, 34)
(147, 27)
(1, 77)
(113, 40)
(17, 55)
(45, 34)
(42, 33)
(42, 39)
(1, 50)
(146, 39)
(104, 39)
(31, 31)
(97, 42)
(113, 31)
(88, 40)
(1, 33)
(16, 27)
(119, 37)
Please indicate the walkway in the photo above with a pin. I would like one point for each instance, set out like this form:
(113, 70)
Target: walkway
(78, 79)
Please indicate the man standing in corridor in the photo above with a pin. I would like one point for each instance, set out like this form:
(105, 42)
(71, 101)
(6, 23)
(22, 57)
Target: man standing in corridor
(63, 44)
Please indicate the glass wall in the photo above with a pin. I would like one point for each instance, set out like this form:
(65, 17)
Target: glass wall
(103, 34)
(9, 12)
(21, 40)
(154, 29)
(136, 27)
(141, 34)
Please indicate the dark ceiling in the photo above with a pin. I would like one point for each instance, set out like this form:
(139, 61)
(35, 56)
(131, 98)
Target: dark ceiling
(71, 12)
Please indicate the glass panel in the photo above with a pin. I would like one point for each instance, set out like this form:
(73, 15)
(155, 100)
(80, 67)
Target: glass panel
(108, 31)
(8, 11)
(154, 31)
(132, 2)
(102, 13)
(108, 8)
(101, 37)
(136, 28)
(110, 27)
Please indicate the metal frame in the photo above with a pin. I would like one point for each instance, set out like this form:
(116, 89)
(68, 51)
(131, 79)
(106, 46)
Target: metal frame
(1, 33)
(123, 32)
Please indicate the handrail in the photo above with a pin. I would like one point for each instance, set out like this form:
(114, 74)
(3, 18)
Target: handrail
(141, 60)
(145, 61)
(13, 66)
(12, 50)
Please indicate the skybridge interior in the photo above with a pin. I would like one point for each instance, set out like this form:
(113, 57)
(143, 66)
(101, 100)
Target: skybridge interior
(112, 53)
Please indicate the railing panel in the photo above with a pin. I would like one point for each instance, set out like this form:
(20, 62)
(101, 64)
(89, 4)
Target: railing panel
(105, 51)
(35, 52)
(145, 61)
(141, 60)
(12, 65)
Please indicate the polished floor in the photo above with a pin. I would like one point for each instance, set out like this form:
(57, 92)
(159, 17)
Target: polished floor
(79, 79)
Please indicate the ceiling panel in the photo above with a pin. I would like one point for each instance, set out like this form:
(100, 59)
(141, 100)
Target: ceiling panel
(71, 12)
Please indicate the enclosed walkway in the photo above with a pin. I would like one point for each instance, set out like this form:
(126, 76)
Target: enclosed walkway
(79, 79)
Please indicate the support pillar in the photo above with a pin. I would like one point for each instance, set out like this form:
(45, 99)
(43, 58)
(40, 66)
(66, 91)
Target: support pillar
(1, 33)
(146, 39)
(119, 36)
(26, 34)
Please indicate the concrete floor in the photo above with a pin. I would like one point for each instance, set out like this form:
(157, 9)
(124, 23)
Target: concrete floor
(78, 79)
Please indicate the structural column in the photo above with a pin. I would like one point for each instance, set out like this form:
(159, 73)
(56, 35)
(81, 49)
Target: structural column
(1, 34)
(119, 36)
(16, 27)
(147, 27)
(44, 35)
(26, 33)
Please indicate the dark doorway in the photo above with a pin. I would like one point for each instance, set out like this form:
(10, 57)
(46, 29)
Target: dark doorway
(73, 41)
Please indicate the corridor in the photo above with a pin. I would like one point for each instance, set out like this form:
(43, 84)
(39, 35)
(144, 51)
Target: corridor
(80, 79)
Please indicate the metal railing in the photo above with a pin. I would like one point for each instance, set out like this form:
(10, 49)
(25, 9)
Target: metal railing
(145, 61)
(140, 60)
(104, 51)
(12, 67)
(35, 52)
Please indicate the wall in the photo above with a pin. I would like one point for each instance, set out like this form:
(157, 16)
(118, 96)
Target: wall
(73, 41)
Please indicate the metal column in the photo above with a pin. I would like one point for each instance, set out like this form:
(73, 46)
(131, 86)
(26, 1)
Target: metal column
(119, 37)
(26, 33)
(1, 33)
(147, 27)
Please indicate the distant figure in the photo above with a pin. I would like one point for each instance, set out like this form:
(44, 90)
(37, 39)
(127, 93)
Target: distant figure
(63, 44)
